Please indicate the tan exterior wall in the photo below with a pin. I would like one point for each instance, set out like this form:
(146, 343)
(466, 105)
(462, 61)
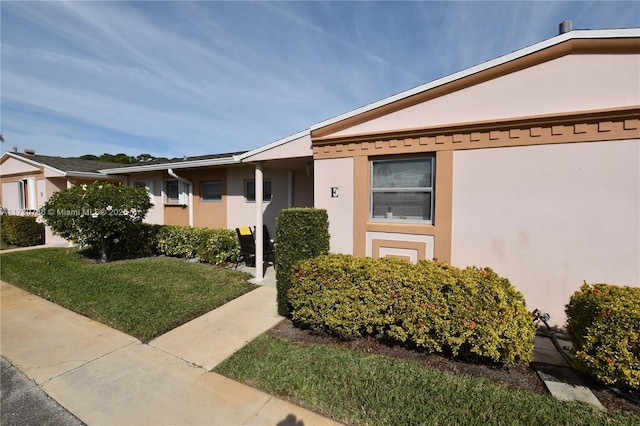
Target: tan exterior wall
(550, 217)
(13, 166)
(338, 174)
(208, 214)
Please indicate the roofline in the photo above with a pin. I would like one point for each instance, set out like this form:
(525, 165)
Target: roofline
(91, 175)
(571, 35)
(274, 144)
(235, 159)
(34, 162)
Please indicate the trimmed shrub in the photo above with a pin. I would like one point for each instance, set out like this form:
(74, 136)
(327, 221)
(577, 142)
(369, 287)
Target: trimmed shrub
(603, 322)
(301, 233)
(179, 241)
(218, 246)
(210, 245)
(142, 240)
(471, 312)
(23, 231)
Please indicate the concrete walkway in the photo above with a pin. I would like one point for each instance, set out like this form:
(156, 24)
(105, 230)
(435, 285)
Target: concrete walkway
(103, 376)
(559, 378)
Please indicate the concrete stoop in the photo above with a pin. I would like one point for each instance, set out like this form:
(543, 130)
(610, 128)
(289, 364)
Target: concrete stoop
(558, 376)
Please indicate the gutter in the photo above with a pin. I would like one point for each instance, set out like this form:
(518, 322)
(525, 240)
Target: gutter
(190, 201)
(175, 165)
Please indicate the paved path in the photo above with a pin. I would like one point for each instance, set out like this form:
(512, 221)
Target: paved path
(103, 376)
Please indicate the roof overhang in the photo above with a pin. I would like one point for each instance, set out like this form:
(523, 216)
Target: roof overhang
(592, 40)
(225, 161)
(249, 155)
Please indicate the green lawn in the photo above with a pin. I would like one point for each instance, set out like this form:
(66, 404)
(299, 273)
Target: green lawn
(143, 297)
(362, 389)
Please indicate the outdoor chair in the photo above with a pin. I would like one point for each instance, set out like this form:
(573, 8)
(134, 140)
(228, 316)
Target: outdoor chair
(247, 246)
(246, 237)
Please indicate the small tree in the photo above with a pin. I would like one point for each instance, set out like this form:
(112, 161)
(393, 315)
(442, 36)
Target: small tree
(99, 215)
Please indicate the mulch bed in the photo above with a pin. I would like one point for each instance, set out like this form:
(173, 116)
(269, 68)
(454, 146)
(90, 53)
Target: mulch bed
(518, 377)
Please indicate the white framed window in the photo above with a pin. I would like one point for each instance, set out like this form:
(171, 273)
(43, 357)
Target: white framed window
(402, 190)
(174, 192)
(211, 192)
(147, 184)
(27, 194)
(250, 191)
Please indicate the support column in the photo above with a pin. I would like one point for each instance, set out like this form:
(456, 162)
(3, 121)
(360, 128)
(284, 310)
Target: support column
(259, 222)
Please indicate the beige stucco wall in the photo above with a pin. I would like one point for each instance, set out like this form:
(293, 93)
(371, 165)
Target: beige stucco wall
(155, 215)
(14, 166)
(10, 199)
(299, 147)
(243, 213)
(570, 83)
(336, 173)
(548, 217)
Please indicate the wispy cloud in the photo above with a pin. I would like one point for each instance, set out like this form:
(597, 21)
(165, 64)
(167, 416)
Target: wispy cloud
(175, 78)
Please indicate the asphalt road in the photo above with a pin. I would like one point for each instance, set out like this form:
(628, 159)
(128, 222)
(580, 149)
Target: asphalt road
(23, 403)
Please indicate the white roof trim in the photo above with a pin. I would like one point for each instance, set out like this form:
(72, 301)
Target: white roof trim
(274, 144)
(575, 34)
(177, 165)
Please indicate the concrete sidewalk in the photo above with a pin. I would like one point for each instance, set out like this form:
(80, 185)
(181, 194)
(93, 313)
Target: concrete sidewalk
(103, 376)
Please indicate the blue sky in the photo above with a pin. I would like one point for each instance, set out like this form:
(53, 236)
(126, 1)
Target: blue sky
(182, 78)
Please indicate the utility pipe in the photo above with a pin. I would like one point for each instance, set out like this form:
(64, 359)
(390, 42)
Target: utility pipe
(190, 187)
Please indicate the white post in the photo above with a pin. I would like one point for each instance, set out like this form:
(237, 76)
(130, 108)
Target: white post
(259, 222)
(289, 188)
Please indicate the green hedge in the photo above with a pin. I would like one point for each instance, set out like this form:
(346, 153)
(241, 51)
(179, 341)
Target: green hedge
(217, 246)
(21, 231)
(603, 322)
(301, 233)
(441, 308)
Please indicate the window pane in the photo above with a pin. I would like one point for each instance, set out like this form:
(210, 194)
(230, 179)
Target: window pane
(211, 191)
(172, 192)
(402, 205)
(250, 190)
(402, 174)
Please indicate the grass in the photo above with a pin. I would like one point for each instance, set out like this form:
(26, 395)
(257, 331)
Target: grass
(363, 389)
(143, 297)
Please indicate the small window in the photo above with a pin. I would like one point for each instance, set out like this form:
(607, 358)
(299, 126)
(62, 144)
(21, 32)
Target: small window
(402, 190)
(172, 192)
(146, 185)
(211, 192)
(27, 194)
(250, 190)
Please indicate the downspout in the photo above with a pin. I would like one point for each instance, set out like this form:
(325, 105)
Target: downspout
(190, 186)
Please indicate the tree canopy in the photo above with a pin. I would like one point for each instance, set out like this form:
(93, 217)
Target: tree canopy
(121, 158)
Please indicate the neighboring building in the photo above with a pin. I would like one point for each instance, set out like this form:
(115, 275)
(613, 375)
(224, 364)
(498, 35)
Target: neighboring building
(28, 180)
(219, 191)
(528, 164)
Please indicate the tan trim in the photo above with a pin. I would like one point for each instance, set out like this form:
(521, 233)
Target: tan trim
(419, 247)
(584, 126)
(442, 218)
(19, 176)
(612, 46)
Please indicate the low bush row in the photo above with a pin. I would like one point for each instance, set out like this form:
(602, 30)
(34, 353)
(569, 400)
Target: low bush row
(603, 322)
(21, 231)
(211, 245)
(208, 245)
(469, 312)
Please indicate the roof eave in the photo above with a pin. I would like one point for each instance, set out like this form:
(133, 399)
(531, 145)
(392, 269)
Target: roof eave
(178, 165)
(571, 35)
(274, 144)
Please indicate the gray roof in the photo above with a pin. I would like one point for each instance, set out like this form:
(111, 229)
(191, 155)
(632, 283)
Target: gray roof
(69, 164)
(177, 160)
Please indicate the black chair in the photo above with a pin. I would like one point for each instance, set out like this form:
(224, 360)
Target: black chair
(269, 251)
(247, 246)
(247, 240)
